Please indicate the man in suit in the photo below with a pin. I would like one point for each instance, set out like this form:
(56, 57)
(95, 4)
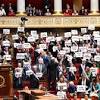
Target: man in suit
(41, 69)
(84, 81)
(52, 73)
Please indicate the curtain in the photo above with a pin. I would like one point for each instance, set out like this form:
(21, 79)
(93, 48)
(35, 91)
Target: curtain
(39, 4)
(86, 4)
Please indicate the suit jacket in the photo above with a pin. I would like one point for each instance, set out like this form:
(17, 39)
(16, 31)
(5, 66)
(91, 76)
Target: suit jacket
(87, 83)
(41, 68)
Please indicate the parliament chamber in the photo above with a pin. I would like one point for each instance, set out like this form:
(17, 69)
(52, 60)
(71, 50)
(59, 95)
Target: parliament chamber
(49, 49)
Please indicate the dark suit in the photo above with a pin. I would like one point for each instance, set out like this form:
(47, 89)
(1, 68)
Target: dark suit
(87, 83)
(52, 73)
(41, 68)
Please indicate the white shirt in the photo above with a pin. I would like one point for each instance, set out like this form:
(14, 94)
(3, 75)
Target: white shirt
(3, 12)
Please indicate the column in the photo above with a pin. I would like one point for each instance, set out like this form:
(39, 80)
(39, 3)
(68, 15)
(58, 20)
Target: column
(57, 7)
(21, 7)
(94, 7)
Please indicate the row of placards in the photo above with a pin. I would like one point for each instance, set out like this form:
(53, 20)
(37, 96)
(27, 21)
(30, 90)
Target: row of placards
(22, 29)
(77, 54)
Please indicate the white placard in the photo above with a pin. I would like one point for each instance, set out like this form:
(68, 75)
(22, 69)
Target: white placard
(72, 69)
(78, 54)
(81, 88)
(97, 58)
(43, 34)
(29, 72)
(31, 39)
(19, 45)
(36, 36)
(61, 85)
(86, 56)
(18, 74)
(83, 49)
(21, 55)
(74, 48)
(55, 48)
(62, 52)
(75, 38)
(96, 33)
(61, 95)
(58, 38)
(83, 30)
(91, 27)
(86, 37)
(39, 74)
(69, 58)
(68, 43)
(67, 34)
(20, 29)
(6, 43)
(98, 43)
(15, 37)
(42, 46)
(33, 33)
(26, 45)
(67, 49)
(74, 32)
(6, 31)
(92, 50)
(94, 71)
(97, 38)
(50, 38)
(7, 57)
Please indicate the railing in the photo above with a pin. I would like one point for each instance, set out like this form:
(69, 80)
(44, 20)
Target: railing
(51, 21)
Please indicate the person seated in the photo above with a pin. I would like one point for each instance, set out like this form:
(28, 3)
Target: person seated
(68, 11)
(47, 13)
(61, 87)
(40, 12)
(62, 84)
(2, 11)
(17, 77)
(84, 81)
(71, 88)
(29, 10)
(11, 12)
(86, 12)
(82, 11)
(34, 11)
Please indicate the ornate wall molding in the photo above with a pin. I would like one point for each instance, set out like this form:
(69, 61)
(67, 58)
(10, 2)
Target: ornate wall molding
(51, 22)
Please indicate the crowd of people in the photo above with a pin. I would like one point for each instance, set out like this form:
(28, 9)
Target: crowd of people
(7, 11)
(10, 10)
(69, 63)
(32, 11)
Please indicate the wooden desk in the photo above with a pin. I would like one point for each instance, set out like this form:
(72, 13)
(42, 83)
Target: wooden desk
(38, 95)
(47, 97)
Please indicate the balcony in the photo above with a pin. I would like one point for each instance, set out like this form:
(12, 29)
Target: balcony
(51, 21)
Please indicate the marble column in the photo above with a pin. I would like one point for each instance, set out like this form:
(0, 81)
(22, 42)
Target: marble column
(21, 7)
(94, 6)
(57, 7)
